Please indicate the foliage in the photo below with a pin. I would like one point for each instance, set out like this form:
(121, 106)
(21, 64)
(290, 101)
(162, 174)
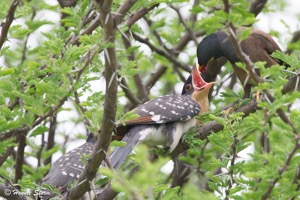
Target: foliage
(53, 93)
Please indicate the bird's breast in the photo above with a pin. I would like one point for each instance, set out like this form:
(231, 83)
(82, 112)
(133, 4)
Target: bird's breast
(166, 134)
(153, 135)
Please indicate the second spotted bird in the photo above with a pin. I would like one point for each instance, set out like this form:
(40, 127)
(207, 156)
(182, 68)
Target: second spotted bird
(162, 121)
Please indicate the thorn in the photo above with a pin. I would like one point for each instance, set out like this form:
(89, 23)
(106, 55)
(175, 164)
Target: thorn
(116, 13)
(111, 79)
(123, 34)
(288, 71)
(123, 86)
(267, 98)
(106, 19)
(246, 80)
(107, 56)
(297, 83)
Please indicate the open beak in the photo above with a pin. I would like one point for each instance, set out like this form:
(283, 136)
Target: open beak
(197, 80)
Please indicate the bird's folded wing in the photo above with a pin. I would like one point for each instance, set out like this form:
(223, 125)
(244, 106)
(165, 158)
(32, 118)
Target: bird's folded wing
(164, 109)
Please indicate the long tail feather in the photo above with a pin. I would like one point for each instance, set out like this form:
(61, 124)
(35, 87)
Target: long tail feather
(132, 137)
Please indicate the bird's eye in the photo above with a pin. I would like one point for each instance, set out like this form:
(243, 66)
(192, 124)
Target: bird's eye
(188, 87)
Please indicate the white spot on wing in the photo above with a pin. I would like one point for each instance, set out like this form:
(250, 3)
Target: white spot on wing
(155, 118)
(64, 173)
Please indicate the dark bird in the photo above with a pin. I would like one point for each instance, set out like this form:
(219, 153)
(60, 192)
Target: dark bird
(258, 46)
(161, 121)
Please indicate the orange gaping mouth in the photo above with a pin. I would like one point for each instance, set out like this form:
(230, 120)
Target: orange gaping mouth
(198, 81)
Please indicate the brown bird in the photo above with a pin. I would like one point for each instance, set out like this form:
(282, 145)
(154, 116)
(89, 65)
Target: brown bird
(258, 46)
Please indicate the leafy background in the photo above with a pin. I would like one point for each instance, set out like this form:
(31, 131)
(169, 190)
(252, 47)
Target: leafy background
(58, 61)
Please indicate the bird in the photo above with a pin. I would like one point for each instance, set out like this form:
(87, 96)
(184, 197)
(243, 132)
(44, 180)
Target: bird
(160, 121)
(258, 46)
(67, 168)
(163, 121)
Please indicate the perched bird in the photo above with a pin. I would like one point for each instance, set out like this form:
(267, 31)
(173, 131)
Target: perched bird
(258, 46)
(67, 168)
(162, 121)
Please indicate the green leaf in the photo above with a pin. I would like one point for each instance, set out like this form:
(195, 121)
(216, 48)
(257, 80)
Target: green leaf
(291, 60)
(220, 120)
(116, 143)
(128, 69)
(50, 152)
(4, 174)
(102, 181)
(35, 24)
(38, 131)
(171, 193)
(127, 117)
(7, 71)
(5, 144)
(161, 188)
(18, 31)
(244, 33)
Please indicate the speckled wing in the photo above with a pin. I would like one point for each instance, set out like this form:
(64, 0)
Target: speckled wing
(67, 168)
(165, 109)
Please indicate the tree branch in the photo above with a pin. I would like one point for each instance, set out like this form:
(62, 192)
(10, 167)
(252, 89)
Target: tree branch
(191, 32)
(20, 157)
(110, 104)
(9, 19)
(123, 10)
(161, 52)
(5, 155)
(138, 15)
(142, 93)
(135, 101)
(50, 140)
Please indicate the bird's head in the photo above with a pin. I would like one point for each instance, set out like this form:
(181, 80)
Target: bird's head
(195, 85)
(209, 49)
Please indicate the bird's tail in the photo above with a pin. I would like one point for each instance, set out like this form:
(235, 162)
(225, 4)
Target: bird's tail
(119, 155)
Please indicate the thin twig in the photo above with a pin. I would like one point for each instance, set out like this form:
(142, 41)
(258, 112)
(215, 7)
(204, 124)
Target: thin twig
(142, 93)
(51, 136)
(231, 180)
(20, 157)
(138, 15)
(123, 10)
(159, 51)
(189, 30)
(8, 20)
